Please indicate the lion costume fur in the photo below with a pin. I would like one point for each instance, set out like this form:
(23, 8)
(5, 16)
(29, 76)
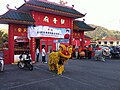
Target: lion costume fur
(56, 60)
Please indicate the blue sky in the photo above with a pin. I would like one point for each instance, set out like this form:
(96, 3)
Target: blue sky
(99, 12)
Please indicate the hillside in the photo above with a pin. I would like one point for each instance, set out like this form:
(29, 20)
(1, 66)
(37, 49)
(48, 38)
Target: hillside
(101, 32)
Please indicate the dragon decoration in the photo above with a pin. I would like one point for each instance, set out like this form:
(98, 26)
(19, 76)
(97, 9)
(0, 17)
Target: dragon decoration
(56, 60)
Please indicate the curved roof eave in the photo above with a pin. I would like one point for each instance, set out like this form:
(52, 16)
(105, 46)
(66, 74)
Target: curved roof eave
(14, 16)
(9, 21)
(50, 8)
(82, 26)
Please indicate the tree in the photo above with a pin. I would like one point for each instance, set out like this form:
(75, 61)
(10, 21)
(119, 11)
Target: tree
(3, 38)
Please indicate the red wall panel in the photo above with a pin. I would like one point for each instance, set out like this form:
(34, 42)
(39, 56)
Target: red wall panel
(39, 18)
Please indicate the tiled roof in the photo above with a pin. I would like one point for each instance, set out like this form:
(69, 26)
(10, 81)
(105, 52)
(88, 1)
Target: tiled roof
(46, 5)
(17, 16)
(83, 25)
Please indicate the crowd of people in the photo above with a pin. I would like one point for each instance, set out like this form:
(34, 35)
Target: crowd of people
(89, 51)
(77, 52)
(86, 52)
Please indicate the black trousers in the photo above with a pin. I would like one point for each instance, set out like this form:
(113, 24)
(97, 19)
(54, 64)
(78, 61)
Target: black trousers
(37, 58)
(89, 54)
(43, 59)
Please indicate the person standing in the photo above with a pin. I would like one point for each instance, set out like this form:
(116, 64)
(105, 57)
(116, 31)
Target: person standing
(37, 54)
(79, 51)
(1, 61)
(73, 52)
(43, 55)
(90, 52)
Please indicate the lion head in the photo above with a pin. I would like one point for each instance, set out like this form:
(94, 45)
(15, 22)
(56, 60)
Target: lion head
(64, 51)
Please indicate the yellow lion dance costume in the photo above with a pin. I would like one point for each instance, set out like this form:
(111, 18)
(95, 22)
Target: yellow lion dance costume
(56, 60)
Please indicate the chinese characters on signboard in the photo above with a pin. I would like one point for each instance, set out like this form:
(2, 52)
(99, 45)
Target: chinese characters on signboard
(47, 19)
(47, 31)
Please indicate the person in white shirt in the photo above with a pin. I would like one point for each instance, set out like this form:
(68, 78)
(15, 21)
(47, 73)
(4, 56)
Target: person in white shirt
(37, 54)
(43, 55)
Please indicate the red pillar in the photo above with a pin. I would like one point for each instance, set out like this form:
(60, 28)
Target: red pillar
(32, 48)
(71, 35)
(82, 38)
(11, 43)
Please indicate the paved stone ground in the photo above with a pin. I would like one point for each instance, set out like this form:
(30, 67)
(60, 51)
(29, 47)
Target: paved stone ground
(78, 75)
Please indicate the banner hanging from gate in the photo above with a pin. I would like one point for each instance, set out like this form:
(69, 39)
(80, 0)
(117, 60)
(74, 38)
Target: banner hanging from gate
(47, 31)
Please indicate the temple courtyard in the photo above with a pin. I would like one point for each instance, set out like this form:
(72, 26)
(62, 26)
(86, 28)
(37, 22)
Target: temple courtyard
(79, 75)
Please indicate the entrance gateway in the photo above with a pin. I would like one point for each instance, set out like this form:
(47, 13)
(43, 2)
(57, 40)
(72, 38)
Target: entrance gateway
(38, 23)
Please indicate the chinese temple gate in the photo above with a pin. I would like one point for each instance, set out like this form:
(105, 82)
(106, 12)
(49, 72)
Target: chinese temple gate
(79, 27)
(47, 21)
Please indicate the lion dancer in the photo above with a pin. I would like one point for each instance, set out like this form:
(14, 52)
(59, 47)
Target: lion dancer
(57, 60)
(53, 60)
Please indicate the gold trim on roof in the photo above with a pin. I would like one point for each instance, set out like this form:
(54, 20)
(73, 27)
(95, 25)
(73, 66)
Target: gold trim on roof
(53, 10)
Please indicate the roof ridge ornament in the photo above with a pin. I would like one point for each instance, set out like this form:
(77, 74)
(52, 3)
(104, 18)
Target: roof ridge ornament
(72, 6)
(83, 19)
(16, 7)
(62, 2)
(7, 6)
